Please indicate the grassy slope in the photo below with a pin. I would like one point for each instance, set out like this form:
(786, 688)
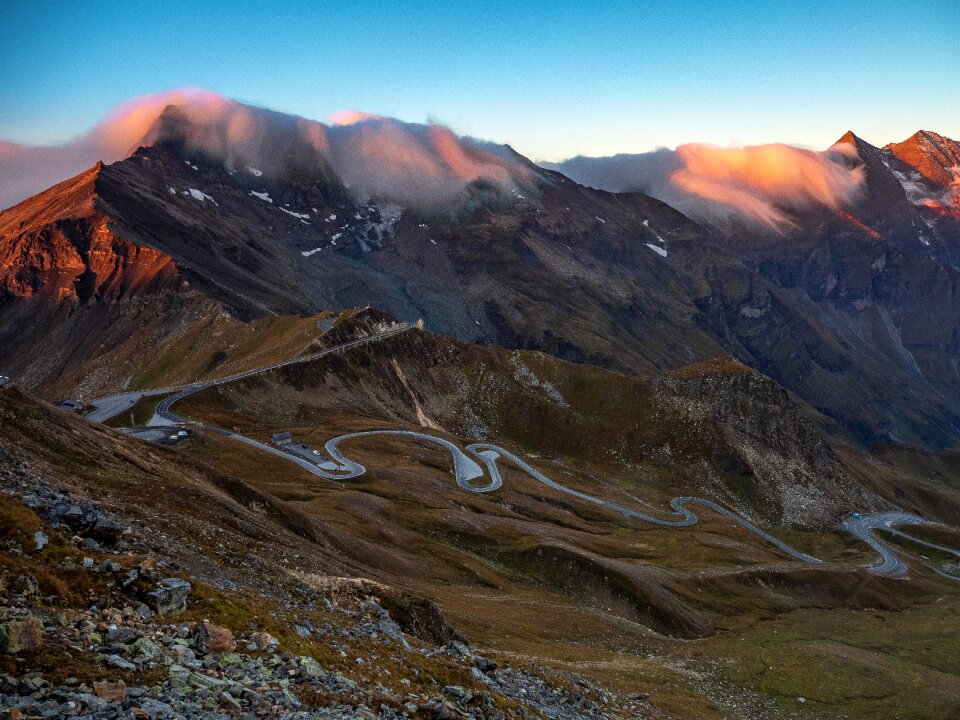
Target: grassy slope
(488, 560)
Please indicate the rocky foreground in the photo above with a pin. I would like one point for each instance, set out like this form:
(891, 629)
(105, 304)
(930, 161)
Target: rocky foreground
(95, 623)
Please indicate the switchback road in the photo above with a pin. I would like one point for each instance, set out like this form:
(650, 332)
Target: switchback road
(468, 471)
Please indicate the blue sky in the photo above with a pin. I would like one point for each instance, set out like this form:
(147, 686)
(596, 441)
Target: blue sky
(554, 79)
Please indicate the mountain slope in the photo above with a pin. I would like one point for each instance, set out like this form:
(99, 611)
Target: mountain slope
(835, 309)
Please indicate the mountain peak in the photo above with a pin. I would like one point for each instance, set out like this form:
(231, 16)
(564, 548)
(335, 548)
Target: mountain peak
(934, 156)
(848, 138)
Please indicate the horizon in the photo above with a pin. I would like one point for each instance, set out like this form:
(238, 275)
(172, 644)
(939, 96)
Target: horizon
(597, 81)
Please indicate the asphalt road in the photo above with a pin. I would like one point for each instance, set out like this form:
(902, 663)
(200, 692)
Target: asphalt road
(474, 477)
(112, 405)
(108, 407)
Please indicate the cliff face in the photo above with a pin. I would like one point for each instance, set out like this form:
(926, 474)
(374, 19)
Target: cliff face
(60, 248)
(73, 285)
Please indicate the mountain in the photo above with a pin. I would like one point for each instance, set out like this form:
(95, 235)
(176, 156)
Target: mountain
(435, 432)
(934, 157)
(831, 302)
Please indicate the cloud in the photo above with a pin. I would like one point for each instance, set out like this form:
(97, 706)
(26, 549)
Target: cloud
(762, 185)
(416, 165)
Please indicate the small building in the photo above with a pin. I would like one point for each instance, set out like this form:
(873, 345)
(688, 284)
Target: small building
(283, 438)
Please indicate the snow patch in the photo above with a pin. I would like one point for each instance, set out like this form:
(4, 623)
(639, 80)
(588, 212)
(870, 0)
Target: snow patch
(300, 216)
(200, 195)
(253, 171)
(308, 253)
(657, 249)
(262, 195)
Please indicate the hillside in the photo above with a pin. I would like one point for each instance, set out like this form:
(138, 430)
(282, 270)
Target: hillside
(577, 273)
(266, 531)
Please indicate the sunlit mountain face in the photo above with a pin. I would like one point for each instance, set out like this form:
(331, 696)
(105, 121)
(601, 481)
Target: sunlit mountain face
(928, 167)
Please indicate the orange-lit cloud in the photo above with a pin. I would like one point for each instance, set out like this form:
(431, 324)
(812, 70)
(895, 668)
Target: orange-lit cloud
(417, 165)
(765, 182)
(351, 117)
(760, 185)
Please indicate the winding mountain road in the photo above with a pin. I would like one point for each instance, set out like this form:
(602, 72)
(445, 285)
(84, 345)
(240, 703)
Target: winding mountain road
(468, 471)
(112, 405)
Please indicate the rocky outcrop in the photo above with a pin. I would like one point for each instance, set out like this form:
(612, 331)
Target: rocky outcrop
(60, 247)
(773, 454)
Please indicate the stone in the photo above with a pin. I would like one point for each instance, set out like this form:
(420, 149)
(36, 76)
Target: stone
(264, 641)
(215, 639)
(24, 585)
(41, 539)
(121, 635)
(145, 649)
(310, 669)
(170, 597)
(112, 692)
(484, 665)
(118, 662)
(20, 635)
(458, 693)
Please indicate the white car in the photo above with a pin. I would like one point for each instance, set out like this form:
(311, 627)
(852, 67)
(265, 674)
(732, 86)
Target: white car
(315, 452)
(182, 433)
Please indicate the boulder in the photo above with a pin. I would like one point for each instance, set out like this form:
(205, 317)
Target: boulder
(170, 597)
(121, 636)
(264, 641)
(215, 639)
(24, 585)
(20, 635)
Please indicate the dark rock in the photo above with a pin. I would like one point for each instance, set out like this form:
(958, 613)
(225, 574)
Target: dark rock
(170, 597)
(458, 693)
(24, 585)
(121, 636)
(484, 665)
